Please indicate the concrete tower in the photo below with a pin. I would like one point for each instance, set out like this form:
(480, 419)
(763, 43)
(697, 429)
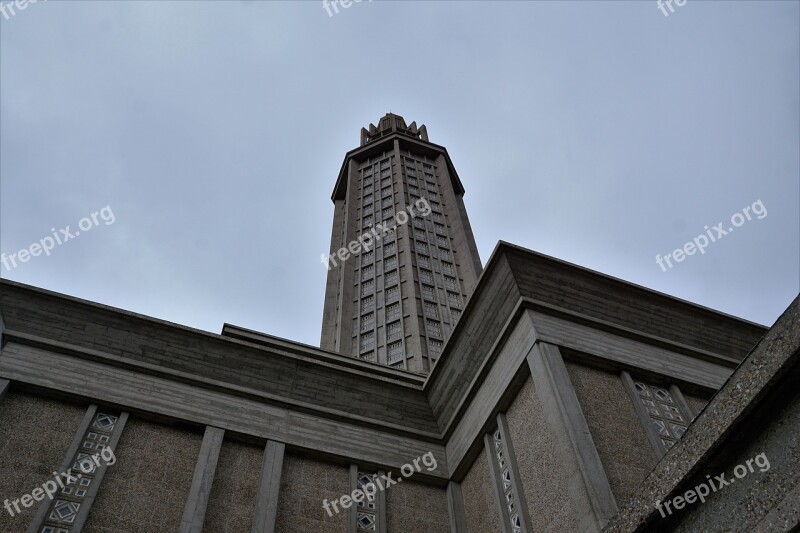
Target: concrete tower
(396, 299)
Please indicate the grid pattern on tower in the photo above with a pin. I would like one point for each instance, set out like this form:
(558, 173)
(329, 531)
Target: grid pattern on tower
(386, 319)
(378, 325)
(441, 291)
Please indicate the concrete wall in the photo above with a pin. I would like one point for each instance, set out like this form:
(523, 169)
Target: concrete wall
(466, 351)
(479, 501)
(288, 370)
(305, 483)
(146, 489)
(618, 435)
(611, 300)
(696, 401)
(35, 434)
(539, 451)
(233, 492)
(759, 501)
(413, 506)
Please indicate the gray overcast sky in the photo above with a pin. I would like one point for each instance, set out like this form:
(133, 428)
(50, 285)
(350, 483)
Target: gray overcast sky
(599, 133)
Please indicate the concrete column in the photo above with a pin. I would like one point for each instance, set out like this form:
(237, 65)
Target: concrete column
(455, 505)
(381, 496)
(194, 512)
(266, 512)
(589, 488)
(352, 516)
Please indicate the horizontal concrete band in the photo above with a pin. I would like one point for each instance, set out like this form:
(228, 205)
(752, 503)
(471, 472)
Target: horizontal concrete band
(333, 432)
(107, 384)
(32, 341)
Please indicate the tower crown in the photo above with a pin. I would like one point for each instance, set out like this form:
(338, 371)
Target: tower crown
(389, 124)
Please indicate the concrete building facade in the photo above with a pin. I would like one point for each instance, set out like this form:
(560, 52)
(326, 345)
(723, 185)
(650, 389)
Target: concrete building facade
(562, 400)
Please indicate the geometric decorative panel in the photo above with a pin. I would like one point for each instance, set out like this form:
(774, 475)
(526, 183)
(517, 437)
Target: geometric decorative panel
(667, 418)
(395, 352)
(508, 486)
(431, 309)
(367, 510)
(67, 502)
(51, 529)
(394, 330)
(433, 328)
(434, 348)
(453, 299)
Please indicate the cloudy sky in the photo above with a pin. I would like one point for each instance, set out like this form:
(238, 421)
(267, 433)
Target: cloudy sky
(601, 133)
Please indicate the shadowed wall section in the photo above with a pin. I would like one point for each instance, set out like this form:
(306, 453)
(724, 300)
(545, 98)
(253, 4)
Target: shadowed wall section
(696, 402)
(766, 499)
(479, 503)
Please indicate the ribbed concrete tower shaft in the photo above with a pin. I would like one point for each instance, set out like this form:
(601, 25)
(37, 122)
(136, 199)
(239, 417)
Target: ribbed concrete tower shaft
(396, 301)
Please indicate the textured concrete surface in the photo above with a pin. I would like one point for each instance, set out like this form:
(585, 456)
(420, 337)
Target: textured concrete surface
(746, 505)
(724, 432)
(34, 436)
(540, 462)
(696, 402)
(146, 489)
(414, 507)
(233, 493)
(479, 501)
(305, 483)
(615, 301)
(621, 442)
(289, 370)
